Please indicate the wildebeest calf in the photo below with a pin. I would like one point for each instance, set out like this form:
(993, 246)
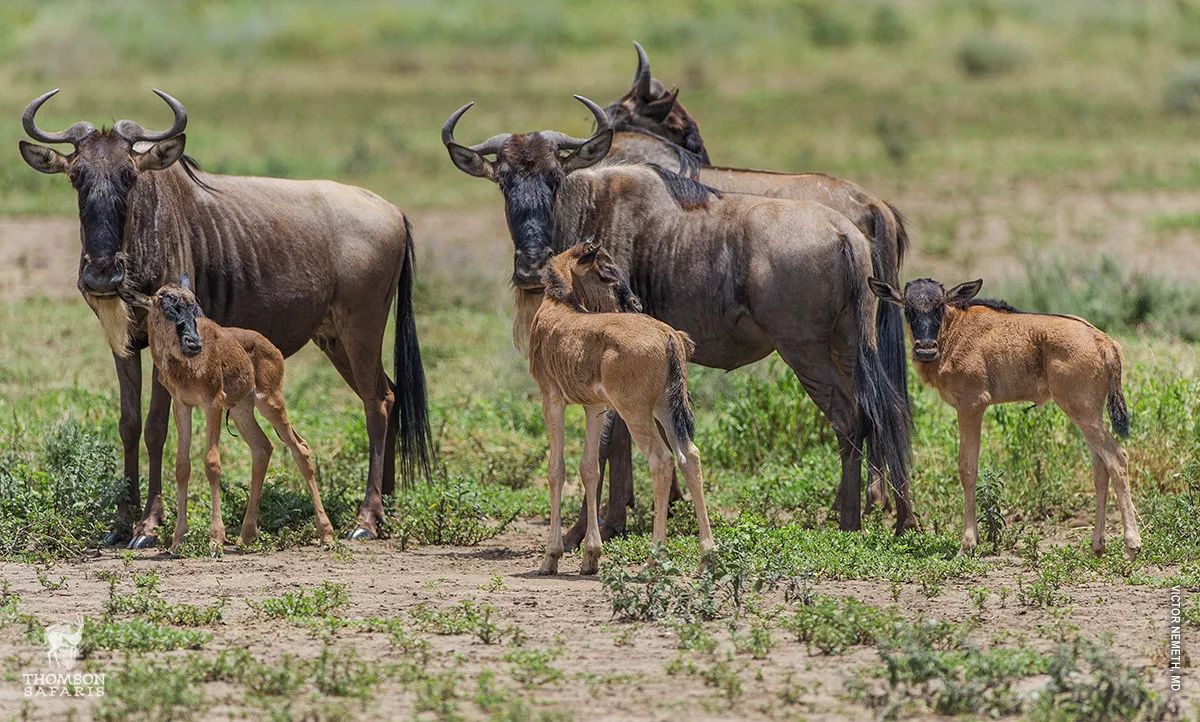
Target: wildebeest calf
(629, 362)
(221, 369)
(982, 352)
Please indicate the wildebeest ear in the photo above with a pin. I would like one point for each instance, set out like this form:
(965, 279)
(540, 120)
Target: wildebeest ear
(162, 154)
(591, 152)
(43, 159)
(964, 291)
(470, 162)
(658, 110)
(186, 281)
(885, 292)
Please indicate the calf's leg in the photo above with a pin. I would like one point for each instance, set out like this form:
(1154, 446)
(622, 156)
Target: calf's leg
(1100, 479)
(260, 458)
(589, 471)
(554, 412)
(272, 407)
(212, 469)
(183, 471)
(1116, 463)
(688, 458)
(970, 424)
(645, 435)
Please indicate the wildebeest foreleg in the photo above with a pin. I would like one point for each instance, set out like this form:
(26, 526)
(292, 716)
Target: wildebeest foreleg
(129, 379)
(145, 533)
(212, 469)
(260, 459)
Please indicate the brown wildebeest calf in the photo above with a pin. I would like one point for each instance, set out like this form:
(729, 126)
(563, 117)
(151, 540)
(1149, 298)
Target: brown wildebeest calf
(979, 352)
(629, 362)
(218, 369)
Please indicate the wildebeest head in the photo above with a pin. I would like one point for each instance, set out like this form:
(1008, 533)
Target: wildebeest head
(103, 169)
(649, 105)
(177, 304)
(585, 277)
(924, 302)
(529, 168)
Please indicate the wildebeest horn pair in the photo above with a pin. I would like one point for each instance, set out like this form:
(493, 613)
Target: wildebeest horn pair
(127, 129)
(492, 145)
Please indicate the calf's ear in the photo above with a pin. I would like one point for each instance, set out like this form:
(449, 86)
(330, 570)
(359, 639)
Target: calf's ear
(470, 162)
(885, 292)
(591, 152)
(136, 299)
(964, 291)
(43, 159)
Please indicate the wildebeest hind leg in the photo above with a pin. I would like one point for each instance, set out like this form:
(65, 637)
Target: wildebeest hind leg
(817, 372)
(337, 356)
(361, 341)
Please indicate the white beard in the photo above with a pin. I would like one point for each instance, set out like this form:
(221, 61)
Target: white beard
(114, 318)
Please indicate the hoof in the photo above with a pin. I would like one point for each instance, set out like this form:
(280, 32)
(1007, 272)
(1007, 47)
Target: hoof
(112, 539)
(143, 541)
(360, 534)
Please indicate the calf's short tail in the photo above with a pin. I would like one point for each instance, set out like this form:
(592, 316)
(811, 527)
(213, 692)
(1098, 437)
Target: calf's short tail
(679, 349)
(1118, 413)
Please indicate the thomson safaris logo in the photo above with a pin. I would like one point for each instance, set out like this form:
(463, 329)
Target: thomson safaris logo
(61, 679)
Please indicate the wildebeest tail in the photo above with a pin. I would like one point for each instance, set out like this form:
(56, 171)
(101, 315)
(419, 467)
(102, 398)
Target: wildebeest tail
(1118, 413)
(888, 243)
(883, 414)
(416, 439)
(679, 349)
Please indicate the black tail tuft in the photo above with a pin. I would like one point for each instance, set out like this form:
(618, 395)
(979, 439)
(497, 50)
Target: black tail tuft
(681, 408)
(889, 318)
(1118, 413)
(883, 413)
(416, 439)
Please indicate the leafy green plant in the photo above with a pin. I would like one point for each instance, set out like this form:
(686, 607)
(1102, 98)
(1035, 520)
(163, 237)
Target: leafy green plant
(304, 604)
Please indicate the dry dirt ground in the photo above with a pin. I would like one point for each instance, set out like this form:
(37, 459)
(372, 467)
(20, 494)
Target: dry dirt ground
(612, 670)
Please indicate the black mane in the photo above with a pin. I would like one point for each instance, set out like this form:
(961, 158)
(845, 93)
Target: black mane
(689, 194)
(689, 162)
(993, 303)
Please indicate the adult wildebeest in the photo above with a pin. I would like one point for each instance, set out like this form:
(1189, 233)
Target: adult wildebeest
(293, 260)
(652, 126)
(979, 352)
(743, 275)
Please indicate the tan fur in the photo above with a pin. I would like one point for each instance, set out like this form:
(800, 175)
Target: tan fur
(115, 319)
(988, 356)
(237, 371)
(605, 360)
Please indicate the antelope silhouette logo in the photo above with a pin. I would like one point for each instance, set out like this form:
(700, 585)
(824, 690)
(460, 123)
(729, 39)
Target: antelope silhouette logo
(62, 642)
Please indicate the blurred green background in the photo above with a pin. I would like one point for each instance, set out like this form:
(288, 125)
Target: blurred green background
(948, 95)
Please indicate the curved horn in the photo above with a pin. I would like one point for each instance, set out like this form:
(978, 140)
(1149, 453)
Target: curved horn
(490, 146)
(71, 135)
(133, 132)
(642, 78)
(567, 142)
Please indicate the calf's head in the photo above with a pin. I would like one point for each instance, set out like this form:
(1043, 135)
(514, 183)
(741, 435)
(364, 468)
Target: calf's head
(924, 302)
(649, 105)
(103, 168)
(529, 168)
(585, 277)
(176, 305)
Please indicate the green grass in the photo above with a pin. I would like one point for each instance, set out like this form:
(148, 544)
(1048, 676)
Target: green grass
(297, 89)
